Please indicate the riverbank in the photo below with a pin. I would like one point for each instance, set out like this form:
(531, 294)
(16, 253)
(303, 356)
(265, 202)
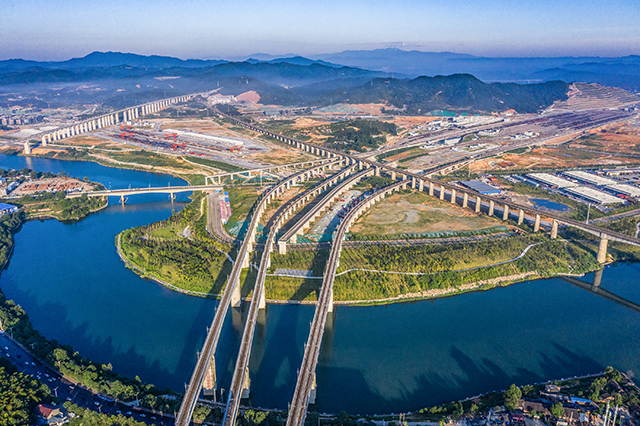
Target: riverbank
(193, 176)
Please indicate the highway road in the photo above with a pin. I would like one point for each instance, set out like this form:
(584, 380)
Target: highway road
(66, 390)
(214, 221)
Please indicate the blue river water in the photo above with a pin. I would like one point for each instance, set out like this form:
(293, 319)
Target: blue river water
(377, 359)
(549, 205)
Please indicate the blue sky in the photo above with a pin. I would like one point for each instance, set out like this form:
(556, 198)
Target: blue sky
(58, 30)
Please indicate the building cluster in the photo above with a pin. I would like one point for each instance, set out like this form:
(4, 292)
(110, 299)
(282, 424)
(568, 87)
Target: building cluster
(526, 135)
(6, 187)
(7, 209)
(585, 186)
(53, 185)
(225, 207)
(20, 119)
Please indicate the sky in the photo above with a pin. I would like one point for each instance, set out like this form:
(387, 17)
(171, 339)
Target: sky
(63, 29)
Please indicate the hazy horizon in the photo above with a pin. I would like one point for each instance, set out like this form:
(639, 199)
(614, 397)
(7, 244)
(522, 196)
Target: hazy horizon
(56, 30)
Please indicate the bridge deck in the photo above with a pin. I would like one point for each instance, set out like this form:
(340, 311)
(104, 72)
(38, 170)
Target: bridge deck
(299, 402)
(242, 362)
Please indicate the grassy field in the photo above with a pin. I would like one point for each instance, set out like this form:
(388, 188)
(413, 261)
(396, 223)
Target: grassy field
(169, 232)
(444, 267)
(416, 212)
(217, 164)
(242, 200)
(198, 264)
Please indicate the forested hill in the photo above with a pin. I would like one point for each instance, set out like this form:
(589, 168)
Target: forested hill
(456, 92)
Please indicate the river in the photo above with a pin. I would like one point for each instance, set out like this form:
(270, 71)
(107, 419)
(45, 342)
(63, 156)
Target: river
(377, 359)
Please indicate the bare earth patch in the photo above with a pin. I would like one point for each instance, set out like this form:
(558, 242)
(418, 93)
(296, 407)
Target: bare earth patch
(418, 213)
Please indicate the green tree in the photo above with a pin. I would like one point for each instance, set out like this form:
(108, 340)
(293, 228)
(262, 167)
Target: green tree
(511, 397)
(557, 410)
(343, 418)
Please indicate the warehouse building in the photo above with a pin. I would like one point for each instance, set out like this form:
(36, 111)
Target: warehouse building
(551, 180)
(593, 195)
(624, 189)
(590, 178)
(480, 187)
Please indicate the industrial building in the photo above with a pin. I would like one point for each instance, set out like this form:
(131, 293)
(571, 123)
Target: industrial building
(593, 195)
(7, 208)
(206, 138)
(590, 178)
(624, 189)
(480, 187)
(551, 180)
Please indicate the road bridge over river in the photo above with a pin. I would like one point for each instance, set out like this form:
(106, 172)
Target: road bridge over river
(122, 193)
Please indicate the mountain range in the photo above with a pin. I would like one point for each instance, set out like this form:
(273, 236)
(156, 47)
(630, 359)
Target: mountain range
(394, 76)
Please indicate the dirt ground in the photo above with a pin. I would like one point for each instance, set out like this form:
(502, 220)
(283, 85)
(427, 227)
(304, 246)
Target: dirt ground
(418, 213)
(250, 96)
(546, 158)
(205, 126)
(618, 137)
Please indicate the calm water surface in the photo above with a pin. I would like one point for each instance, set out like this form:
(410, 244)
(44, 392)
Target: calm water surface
(550, 205)
(74, 287)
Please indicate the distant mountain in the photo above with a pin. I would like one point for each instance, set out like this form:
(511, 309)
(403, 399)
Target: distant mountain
(92, 67)
(394, 60)
(461, 92)
(287, 74)
(111, 59)
(299, 60)
(619, 72)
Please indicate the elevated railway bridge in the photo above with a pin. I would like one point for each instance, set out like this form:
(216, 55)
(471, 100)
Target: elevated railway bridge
(403, 179)
(240, 383)
(231, 294)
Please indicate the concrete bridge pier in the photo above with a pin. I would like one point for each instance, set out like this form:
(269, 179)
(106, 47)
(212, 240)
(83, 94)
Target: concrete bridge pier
(602, 249)
(465, 200)
(536, 224)
(312, 394)
(421, 185)
(377, 172)
(123, 200)
(246, 384)
(236, 296)
(505, 213)
(172, 196)
(478, 204)
(282, 247)
(554, 229)
(413, 182)
(431, 189)
(330, 304)
(441, 195)
(393, 176)
(209, 383)
(491, 207)
(520, 217)
(453, 196)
